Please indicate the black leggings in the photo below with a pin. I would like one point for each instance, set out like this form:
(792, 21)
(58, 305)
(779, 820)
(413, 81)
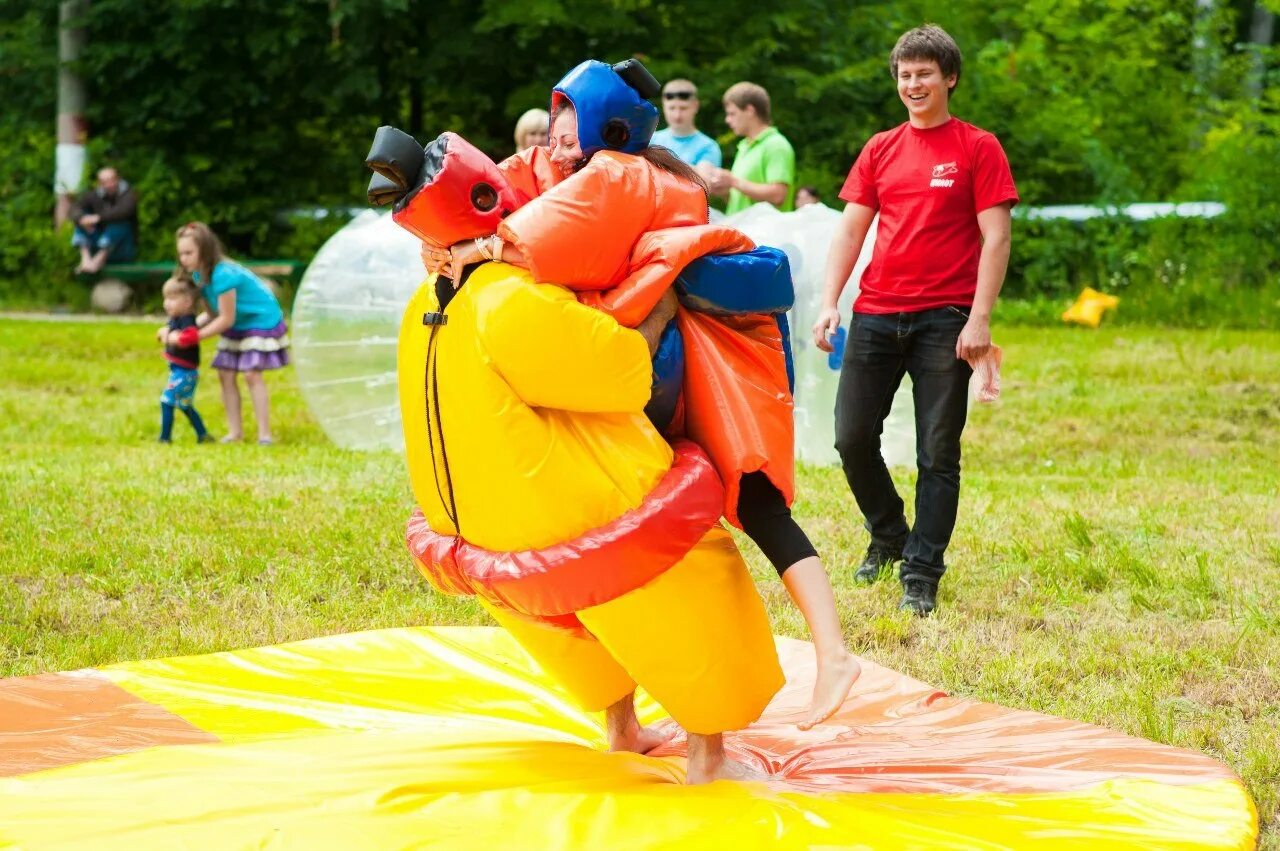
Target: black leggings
(767, 520)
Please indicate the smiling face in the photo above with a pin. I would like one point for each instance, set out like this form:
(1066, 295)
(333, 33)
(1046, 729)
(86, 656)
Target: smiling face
(566, 152)
(188, 253)
(924, 91)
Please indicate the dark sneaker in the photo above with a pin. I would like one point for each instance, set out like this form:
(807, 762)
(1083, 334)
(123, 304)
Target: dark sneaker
(876, 564)
(206, 438)
(919, 597)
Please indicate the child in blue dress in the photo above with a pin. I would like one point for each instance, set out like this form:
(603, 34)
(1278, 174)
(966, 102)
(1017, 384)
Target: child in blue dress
(246, 317)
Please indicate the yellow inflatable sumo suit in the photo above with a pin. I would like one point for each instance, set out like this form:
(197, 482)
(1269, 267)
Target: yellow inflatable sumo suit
(546, 491)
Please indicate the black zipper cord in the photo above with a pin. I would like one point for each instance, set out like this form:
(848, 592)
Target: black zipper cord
(431, 394)
(444, 453)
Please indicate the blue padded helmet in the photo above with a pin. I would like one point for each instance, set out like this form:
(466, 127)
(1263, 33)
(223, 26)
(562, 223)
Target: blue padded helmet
(613, 113)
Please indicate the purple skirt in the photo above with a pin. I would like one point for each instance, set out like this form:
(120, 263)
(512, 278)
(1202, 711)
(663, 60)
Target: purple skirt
(253, 350)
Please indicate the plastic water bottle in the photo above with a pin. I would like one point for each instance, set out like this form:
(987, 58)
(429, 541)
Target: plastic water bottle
(836, 357)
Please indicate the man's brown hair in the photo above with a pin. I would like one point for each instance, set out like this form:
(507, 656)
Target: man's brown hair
(929, 42)
(743, 95)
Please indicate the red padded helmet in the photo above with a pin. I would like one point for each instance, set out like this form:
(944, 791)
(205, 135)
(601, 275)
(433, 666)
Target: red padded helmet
(444, 193)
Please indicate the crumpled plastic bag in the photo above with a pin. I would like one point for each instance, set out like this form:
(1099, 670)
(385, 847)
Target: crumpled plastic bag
(985, 383)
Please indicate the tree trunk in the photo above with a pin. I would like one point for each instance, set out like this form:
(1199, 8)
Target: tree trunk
(1261, 31)
(73, 130)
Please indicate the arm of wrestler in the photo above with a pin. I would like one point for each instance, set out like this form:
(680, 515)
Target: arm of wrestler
(556, 353)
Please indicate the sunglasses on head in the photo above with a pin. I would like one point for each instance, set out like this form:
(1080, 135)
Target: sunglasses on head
(677, 95)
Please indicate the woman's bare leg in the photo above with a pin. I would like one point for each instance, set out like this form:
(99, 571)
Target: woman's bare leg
(810, 589)
(231, 402)
(261, 404)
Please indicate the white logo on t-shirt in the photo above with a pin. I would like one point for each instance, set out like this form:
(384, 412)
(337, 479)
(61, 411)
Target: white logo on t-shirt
(940, 171)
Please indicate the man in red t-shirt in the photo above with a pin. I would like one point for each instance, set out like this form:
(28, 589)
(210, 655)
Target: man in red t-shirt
(944, 192)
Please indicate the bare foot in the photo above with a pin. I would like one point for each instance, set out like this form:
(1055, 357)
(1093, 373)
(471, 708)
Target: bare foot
(836, 675)
(708, 763)
(638, 739)
(624, 731)
(724, 769)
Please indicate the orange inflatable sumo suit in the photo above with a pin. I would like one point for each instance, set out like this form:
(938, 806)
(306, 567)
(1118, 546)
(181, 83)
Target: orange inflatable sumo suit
(546, 492)
(736, 401)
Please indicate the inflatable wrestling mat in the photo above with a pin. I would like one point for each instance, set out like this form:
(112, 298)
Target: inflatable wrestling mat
(451, 738)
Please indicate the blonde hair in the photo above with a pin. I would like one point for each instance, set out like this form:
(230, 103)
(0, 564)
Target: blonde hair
(531, 121)
(744, 94)
(181, 285)
(208, 246)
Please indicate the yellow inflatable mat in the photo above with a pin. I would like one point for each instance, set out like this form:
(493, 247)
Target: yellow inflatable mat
(450, 737)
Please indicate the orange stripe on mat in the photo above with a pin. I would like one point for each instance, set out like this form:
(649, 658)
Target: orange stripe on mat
(51, 720)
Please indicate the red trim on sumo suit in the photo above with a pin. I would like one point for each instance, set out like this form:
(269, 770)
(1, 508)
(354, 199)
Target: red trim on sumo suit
(600, 565)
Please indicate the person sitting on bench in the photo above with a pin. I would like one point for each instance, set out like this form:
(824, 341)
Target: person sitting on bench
(106, 223)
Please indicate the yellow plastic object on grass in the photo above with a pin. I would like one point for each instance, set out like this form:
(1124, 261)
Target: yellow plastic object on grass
(453, 738)
(1089, 307)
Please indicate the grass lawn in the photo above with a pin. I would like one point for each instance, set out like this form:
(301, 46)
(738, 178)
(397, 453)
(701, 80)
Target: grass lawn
(1117, 558)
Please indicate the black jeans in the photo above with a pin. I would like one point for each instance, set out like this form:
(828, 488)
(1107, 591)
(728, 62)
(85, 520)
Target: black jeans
(881, 349)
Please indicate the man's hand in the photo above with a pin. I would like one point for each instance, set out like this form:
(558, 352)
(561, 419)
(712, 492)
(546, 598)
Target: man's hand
(88, 220)
(828, 323)
(720, 181)
(974, 339)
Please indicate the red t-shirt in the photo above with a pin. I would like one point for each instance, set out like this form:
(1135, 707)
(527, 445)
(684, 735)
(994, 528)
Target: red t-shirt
(928, 186)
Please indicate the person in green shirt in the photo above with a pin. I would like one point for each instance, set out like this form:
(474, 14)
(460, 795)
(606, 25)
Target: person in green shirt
(764, 168)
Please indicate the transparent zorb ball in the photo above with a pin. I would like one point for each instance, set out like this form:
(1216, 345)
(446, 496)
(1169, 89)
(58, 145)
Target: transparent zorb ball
(346, 319)
(805, 235)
